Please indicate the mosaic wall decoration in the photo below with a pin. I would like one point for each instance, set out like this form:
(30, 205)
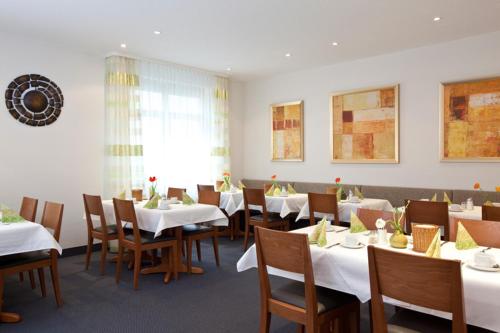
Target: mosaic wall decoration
(34, 100)
(365, 127)
(287, 140)
(470, 120)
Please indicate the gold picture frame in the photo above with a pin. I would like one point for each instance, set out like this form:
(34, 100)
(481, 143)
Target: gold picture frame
(287, 131)
(469, 120)
(364, 125)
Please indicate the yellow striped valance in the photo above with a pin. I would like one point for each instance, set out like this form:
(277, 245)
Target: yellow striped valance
(220, 151)
(122, 79)
(124, 150)
(221, 93)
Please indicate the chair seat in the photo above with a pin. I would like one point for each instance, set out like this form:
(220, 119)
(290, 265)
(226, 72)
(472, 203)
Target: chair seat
(23, 258)
(194, 229)
(407, 321)
(270, 218)
(148, 238)
(110, 228)
(328, 299)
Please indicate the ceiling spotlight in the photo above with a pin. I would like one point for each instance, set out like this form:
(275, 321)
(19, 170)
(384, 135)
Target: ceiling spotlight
(436, 19)
(335, 44)
(288, 55)
(156, 32)
(229, 69)
(123, 45)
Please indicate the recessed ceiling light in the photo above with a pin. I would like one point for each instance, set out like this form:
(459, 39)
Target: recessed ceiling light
(335, 44)
(436, 19)
(288, 55)
(156, 32)
(229, 69)
(123, 45)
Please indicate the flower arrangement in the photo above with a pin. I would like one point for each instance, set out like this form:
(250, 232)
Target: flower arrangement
(273, 180)
(398, 238)
(226, 176)
(152, 187)
(497, 188)
(340, 191)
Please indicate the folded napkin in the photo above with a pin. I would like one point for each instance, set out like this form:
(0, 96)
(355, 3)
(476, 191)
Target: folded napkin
(186, 199)
(464, 240)
(224, 187)
(434, 249)
(122, 195)
(356, 224)
(488, 203)
(270, 192)
(339, 193)
(290, 189)
(8, 215)
(241, 186)
(434, 197)
(153, 202)
(358, 193)
(277, 191)
(446, 198)
(318, 235)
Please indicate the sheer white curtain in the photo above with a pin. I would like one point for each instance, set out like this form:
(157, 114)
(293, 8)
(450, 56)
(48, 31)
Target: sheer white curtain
(184, 125)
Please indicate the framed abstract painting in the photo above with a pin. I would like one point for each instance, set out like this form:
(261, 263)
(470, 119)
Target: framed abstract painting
(365, 125)
(470, 121)
(287, 137)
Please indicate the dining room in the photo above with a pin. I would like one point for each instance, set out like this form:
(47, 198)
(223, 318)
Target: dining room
(264, 166)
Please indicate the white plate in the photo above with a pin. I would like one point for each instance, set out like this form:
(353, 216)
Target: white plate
(471, 264)
(360, 245)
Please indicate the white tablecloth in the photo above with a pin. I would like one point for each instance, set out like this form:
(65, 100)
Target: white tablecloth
(25, 237)
(475, 214)
(346, 270)
(156, 220)
(231, 202)
(345, 208)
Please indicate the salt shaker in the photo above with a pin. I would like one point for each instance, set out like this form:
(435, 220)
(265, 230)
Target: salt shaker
(470, 204)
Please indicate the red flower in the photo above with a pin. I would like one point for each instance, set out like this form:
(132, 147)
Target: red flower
(152, 179)
(273, 177)
(227, 174)
(477, 186)
(337, 180)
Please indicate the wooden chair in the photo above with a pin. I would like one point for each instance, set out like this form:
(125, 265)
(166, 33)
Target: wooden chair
(370, 216)
(331, 190)
(137, 194)
(138, 241)
(491, 213)
(15, 263)
(267, 187)
(28, 212)
(205, 188)
(198, 232)
(218, 184)
(175, 192)
(304, 303)
(323, 203)
(484, 233)
(428, 212)
(256, 197)
(428, 282)
(104, 232)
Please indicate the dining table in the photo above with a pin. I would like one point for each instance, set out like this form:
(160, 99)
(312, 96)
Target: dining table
(346, 269)
(20, 237)
(174, 217)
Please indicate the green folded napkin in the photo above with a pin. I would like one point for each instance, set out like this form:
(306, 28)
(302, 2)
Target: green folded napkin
(356, 224)
(446, 198)
(434, 249)
(224, 187)
(153, 202)
(241, 186)
(318, 235)
(122, 195)
(270, 192)
(186, 199)
(339, 193)
(290, 189)
(277, 191)
(358, 193)
(488, 203)
(9, 216)
(464, 240)
(434, 197)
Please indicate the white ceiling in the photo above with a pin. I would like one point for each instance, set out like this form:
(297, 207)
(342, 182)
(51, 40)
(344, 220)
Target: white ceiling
(250, 36)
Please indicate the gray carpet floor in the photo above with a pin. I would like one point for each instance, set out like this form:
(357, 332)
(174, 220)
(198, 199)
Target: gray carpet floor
(221, 300)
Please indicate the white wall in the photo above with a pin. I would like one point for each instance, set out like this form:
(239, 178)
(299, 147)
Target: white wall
(61, 161)
(418, 72)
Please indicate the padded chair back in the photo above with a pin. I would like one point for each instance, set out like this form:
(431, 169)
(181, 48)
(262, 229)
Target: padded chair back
(323, 203)
(484, 233)
(428, 212)
(52, 217)
(491, 213)
(432, 283)
(175, 192)
(28, 209)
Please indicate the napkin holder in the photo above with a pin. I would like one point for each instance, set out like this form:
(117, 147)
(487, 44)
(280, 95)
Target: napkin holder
(422, 236)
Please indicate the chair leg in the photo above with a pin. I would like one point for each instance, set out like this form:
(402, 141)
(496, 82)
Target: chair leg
(137, 267)
(21, 276)
(215, 242)
(32, 279)
(189, 254)
(104, 252)
(300, 328)
(55, 280)
(174, 261)
(198, 249)
(90, 243)
(265, 321)
(247, 232)
(119, 263)
(41, 278)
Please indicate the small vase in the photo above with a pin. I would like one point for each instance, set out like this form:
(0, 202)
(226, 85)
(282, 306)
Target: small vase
(398, 240)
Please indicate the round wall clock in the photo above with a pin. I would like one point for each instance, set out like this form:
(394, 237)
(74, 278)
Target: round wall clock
(34, 100)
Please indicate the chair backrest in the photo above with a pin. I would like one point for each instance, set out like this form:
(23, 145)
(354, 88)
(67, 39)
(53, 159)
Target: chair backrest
(432, 283)
(370, 216)
(205, 188)
(484, 233)
(267, 187)
(491, 213)
(208, 197)
(428, 212)
(93, 206)
(331, 190)
(175, 192)
(218, 183)
(137, 194)
(125, 212)
(323, 203)
(28, 209)
(52, 217)
(254, 197)
(289, 252)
